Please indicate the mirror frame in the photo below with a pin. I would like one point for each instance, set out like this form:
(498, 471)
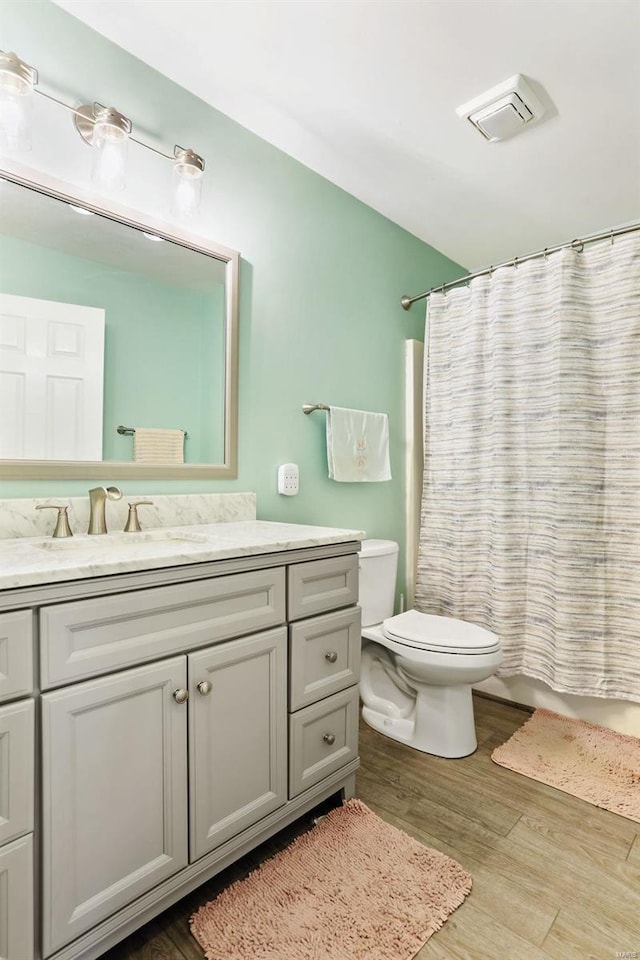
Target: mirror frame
(116, 469)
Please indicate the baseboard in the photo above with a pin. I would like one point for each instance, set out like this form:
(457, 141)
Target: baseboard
(509, 703)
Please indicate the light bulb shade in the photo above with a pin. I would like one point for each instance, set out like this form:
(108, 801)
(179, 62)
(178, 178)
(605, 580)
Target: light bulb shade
(17, 80)
(188, 172)
(109, 141)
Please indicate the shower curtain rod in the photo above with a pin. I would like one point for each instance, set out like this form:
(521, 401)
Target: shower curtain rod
(616, 232)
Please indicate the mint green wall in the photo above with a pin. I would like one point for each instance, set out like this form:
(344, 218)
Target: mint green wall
(321, 275)
(161, 344)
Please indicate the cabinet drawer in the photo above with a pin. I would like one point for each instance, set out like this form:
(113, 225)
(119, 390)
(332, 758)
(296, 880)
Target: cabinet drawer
(16, 654)
(321, 585)
(324, 656)
(16, 900)
(17, 761)
(90, 637)
(322, 738)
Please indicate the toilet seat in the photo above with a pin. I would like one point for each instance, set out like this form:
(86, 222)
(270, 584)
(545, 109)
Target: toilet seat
(423, 631)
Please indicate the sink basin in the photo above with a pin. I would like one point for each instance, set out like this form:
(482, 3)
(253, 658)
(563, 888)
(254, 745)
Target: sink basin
(147, 541)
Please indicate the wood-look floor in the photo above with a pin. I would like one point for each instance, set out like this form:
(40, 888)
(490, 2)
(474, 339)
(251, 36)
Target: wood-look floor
(554, 878)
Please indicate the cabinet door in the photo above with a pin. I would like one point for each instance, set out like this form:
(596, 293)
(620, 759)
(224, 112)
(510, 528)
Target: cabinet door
(114, 794)
(16, 654)
(16, 900)
(237, 736)
(16, 769)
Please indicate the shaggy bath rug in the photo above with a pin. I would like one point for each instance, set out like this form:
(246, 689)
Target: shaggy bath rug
(580, 758)
(353, 888)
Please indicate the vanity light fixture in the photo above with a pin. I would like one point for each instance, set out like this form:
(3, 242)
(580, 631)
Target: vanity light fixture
(17, 83)
(105, 129)
(188, 170)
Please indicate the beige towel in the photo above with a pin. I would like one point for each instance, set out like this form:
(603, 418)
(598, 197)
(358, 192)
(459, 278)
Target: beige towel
(151, 445)
(357, 445)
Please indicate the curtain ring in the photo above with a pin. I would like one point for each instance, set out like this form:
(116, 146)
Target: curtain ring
(490, 271)
(577, 245)
(545, 254)
(612, 238)
(515, 263)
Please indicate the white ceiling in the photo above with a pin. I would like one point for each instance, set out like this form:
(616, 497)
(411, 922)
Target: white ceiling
(364, 92)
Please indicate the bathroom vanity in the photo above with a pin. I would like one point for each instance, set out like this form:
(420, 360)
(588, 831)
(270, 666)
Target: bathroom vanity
(168, 702)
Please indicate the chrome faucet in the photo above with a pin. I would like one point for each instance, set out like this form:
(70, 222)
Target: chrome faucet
(97, 500)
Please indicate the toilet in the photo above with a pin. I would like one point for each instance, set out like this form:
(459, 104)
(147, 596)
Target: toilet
(417, 669)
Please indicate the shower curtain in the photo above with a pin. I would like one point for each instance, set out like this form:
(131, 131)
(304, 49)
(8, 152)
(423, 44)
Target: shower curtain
(530, 518)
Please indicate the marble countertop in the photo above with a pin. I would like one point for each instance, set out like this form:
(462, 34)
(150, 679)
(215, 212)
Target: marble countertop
(26, 561)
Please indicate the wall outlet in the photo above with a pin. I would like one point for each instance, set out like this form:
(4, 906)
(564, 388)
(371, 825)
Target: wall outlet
(288, 479)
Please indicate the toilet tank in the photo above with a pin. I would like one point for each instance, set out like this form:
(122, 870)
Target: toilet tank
(378, 568)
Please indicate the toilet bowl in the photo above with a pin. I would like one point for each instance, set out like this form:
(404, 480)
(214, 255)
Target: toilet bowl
(417, 669)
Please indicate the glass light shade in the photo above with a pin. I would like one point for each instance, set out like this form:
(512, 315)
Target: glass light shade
(109, 142)
(17, 81)
(188, 171)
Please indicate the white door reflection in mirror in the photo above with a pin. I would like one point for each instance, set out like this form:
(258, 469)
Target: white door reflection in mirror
(51, 379)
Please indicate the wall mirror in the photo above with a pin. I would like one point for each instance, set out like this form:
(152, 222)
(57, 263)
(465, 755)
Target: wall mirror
(108, 324)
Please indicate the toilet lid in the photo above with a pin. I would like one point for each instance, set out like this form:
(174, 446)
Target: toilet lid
(439, 634)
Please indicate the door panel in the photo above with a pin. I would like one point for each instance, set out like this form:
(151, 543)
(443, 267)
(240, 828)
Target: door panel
(16, 899)
(114, 794)
(17, 761)
(237, 737)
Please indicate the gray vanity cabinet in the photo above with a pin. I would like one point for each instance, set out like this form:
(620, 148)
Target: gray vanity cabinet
(175, 719)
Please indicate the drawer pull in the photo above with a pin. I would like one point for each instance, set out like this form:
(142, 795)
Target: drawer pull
(205, 687)
(180, 695)
(329, 738)
(331, 656)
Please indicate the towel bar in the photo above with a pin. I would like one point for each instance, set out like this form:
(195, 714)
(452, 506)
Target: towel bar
(131, 430)
(310, 407)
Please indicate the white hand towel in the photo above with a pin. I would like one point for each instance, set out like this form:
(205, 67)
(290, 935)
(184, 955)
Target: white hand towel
(151, 445)
(357, 445)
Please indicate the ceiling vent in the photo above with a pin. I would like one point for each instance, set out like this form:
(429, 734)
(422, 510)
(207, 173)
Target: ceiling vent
(504, 110)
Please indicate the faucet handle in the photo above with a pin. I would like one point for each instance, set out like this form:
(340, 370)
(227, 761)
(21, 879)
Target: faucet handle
(133, 524)
(62, 528)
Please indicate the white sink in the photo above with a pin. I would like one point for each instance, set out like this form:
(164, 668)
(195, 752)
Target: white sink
(146, 541)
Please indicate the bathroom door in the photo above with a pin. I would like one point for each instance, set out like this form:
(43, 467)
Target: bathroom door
(51, 379)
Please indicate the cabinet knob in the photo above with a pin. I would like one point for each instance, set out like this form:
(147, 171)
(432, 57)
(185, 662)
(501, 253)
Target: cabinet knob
(205, 687)
(329, 738)
(331, 656)
(180, 695)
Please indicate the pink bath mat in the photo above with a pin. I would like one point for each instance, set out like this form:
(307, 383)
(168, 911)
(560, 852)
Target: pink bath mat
(580, 758)
(353, 888)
